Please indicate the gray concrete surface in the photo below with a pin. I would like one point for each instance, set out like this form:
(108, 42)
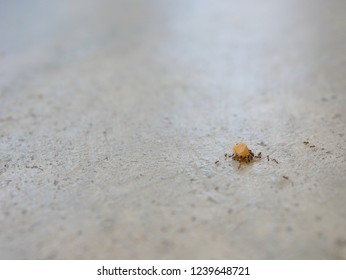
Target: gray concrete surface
(113, 113)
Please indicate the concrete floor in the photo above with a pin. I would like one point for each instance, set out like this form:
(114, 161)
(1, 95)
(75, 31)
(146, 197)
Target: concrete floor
(113, 113)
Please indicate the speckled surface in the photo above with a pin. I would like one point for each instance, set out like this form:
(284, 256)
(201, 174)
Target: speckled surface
(113, 113)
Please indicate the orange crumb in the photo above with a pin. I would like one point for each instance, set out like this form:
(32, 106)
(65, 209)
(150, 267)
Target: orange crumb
(241, 150)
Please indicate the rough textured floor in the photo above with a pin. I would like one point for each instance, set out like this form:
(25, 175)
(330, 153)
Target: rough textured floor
(112, 114)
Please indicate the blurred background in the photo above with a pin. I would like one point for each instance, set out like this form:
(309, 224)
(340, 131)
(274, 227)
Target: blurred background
(113, 114)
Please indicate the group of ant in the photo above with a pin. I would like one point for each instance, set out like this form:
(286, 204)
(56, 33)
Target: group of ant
(243, 154)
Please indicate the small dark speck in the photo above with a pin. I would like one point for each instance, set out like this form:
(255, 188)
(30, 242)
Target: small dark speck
(229, 211)
(289, 229)
(285, 177)
(262, 144)
(56, 182)
(193, 218)
(51, 256)
(34, 167)
(341, 135)
(216, 188)
(340, 242)
(324, 99)
(182, 230)
(211, 199)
